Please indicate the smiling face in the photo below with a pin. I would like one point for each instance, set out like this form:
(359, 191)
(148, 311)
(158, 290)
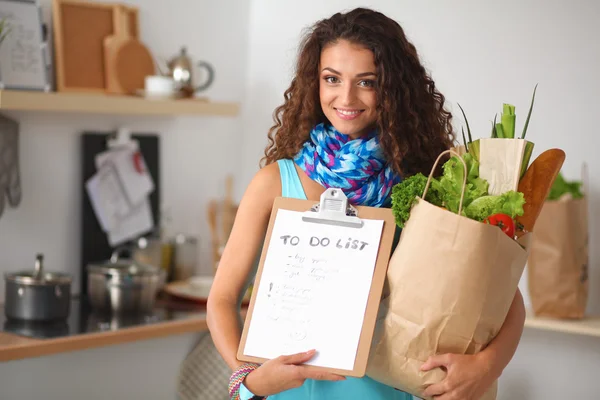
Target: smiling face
(347, 88)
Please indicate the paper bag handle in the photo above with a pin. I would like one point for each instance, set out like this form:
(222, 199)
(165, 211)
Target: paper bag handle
(462, 193)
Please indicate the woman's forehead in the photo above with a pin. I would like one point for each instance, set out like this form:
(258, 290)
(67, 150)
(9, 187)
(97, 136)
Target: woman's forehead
(347, 58)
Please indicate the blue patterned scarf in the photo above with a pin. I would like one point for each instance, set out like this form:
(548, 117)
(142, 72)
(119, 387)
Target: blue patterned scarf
(358, 167)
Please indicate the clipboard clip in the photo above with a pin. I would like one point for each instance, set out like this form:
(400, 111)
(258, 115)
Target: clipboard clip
(333, 209)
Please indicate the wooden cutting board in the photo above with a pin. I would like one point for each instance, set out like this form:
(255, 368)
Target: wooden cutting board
(127, 60)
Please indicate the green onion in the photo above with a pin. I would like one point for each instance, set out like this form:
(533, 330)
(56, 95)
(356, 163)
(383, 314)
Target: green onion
(508, 120)
(4, 29)
(529, 114)
(467, 122)
(464, 139)
(494, 135)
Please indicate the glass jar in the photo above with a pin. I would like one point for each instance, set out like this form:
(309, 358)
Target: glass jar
(185, 263)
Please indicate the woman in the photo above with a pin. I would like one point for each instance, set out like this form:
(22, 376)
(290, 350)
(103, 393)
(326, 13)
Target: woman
(361, 113)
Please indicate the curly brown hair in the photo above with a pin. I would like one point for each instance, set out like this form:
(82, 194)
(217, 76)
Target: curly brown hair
(413, 125)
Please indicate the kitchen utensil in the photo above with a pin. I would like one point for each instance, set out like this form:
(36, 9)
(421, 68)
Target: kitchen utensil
(536, 184)
(79, 27)
(148, 250)
(181, 69)
(185, 257)
(224, 211)
(127, 60)
(122, 286)
(37, 295)
(159, 86)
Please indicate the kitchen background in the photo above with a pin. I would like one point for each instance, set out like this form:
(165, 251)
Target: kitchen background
(480, 53)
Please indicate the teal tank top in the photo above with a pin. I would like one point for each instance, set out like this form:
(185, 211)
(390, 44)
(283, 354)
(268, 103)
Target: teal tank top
(351, 388)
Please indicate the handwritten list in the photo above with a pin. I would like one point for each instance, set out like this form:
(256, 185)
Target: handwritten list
(313, 290)
(22, 61)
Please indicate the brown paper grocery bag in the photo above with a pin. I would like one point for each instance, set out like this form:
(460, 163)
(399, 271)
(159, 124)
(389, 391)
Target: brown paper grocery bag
(557, 269)
(451, 281)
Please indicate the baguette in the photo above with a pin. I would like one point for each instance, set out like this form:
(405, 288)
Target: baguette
(535, 186)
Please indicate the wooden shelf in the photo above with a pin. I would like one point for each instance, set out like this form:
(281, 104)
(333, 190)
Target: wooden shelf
(110, 104)
(589, 326)
(14, 347)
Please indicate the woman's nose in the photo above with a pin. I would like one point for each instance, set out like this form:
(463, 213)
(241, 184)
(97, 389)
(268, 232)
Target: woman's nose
(348, 94)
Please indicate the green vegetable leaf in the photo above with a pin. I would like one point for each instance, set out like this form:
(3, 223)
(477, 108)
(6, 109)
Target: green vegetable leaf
(529, 114)
(445, 191)
(5, 29)
(561, 187)
(405, 193)
(464, 139)
(499, 130)
(510, 203)
(508, 119)
(467, 122)
(451, 182)
(494, 135)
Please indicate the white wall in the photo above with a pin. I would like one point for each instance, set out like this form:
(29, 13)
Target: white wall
(481, 54)
(197, 153)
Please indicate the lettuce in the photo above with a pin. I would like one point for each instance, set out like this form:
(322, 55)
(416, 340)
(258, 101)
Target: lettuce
(445, 191)
(451, 182)
(561, 187)
(405, 193)
(509, 203)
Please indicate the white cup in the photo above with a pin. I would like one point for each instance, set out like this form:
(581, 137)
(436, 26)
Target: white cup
(159, 86)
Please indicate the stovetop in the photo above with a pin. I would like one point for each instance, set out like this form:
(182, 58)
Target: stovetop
(83, 319)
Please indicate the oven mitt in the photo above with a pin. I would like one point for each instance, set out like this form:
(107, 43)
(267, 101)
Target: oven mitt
(10, 180)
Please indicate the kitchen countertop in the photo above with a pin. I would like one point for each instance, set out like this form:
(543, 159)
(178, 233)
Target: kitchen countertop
(85, 330)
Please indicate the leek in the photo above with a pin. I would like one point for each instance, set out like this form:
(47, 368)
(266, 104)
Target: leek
(508, 121)
(500, 131)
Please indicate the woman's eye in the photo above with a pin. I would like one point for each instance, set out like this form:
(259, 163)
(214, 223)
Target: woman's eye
(331, 79)
(367, 83)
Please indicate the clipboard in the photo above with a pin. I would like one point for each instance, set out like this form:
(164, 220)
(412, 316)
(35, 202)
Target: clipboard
(333, 210)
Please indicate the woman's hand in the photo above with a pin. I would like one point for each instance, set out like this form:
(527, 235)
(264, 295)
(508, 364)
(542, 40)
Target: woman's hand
(284, 373)
(468, 376)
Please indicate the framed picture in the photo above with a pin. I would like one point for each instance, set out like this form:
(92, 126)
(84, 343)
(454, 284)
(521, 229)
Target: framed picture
(24, 53)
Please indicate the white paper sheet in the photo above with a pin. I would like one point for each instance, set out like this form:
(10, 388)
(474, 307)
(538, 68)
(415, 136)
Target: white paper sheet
(136, 223)
(500, 163)
(314, 290)
(137, 185)
(107, 197)
(118, 217)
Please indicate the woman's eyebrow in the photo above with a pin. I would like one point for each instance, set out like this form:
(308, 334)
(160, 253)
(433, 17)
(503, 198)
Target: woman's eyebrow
(333, 71)
(361, 75)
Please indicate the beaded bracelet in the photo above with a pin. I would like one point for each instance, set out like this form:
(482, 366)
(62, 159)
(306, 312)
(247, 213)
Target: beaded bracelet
(237, 378)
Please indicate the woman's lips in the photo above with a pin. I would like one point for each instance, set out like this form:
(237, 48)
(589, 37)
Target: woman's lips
(347, 114)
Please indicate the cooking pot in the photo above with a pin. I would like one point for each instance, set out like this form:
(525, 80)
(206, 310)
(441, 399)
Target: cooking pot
(121, 286)
(37, 295)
